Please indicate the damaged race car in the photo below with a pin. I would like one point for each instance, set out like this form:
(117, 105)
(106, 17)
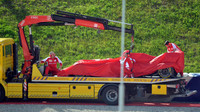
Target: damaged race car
(166, 65)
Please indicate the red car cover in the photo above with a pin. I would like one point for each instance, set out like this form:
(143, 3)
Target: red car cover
(97, 67)
(145, 64)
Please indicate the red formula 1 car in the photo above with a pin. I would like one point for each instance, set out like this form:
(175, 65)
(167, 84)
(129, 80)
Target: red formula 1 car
(166, 65)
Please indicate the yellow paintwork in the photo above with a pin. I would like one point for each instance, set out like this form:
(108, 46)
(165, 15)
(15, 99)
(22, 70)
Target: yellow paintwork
(159, 89)
(98, 79)
(81, 90)
(5, 61)
(46, 90)
(96, 89)
(6, 41)
(35, 71)
(14, 90)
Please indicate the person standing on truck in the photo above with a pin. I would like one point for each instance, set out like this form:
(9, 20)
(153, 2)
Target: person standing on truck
(52, 61)
(171, 47)
(128, 64)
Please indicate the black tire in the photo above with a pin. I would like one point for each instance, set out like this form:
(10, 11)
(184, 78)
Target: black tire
(111, 95)
(2, 94)
(167, 73)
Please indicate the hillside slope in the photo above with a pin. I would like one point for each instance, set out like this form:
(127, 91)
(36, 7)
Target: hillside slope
(154, 22)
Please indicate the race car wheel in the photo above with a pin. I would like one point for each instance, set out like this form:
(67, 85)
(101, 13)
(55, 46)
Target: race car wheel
(167, 73)
(110, 95)
(2, 94)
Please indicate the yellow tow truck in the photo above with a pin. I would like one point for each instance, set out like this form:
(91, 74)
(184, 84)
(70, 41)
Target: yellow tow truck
(32, 84)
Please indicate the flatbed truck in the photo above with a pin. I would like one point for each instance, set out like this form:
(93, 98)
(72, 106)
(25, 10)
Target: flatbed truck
(30, 83)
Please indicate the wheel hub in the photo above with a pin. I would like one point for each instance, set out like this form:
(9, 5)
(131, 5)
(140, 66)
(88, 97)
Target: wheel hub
(164, 73)
(112, 95)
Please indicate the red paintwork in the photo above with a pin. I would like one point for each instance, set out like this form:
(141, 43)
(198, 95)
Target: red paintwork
(91, 24)
(145, 64)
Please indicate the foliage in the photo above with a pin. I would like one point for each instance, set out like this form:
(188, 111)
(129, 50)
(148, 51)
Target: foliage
(154, 22)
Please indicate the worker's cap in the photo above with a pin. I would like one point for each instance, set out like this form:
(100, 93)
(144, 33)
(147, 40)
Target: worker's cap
(167, 42)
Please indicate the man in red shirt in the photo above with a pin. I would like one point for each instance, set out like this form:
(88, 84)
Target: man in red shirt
(128, 64)
(52, 61)
(171, 47)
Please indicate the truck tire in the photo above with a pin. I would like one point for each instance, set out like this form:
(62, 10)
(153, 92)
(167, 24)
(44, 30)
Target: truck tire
(110, 95)
(2, 94)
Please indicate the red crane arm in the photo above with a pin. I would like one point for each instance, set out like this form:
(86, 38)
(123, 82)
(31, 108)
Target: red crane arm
(29, 20)
(28, 56)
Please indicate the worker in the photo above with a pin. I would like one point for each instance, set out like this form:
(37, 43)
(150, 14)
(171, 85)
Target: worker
(52, 61)
(128, 64)
(171, 47)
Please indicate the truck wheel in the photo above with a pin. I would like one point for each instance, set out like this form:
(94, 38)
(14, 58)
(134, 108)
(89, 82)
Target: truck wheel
(110, 95)
(167, 73)
(2, 94)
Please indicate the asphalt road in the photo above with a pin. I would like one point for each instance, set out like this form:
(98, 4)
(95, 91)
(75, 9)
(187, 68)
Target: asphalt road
(92, 106)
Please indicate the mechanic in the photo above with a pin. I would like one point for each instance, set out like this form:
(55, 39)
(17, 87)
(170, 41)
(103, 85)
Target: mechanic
(52, 61)
(128, 64)
(171, 47)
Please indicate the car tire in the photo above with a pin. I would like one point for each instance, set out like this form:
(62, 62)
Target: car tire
(167, 73)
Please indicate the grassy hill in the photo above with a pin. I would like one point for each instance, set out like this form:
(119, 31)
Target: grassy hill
(154, 22)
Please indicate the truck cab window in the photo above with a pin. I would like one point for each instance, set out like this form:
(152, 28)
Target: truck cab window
(3, 51)
(8, 50)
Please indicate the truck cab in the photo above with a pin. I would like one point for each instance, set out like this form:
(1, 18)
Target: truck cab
(8, 70)
(6, 58)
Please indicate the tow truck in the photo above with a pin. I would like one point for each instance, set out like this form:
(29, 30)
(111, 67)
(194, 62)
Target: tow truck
(30, 83)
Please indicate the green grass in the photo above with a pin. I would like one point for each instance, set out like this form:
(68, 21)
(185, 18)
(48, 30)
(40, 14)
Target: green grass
(154, 22)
